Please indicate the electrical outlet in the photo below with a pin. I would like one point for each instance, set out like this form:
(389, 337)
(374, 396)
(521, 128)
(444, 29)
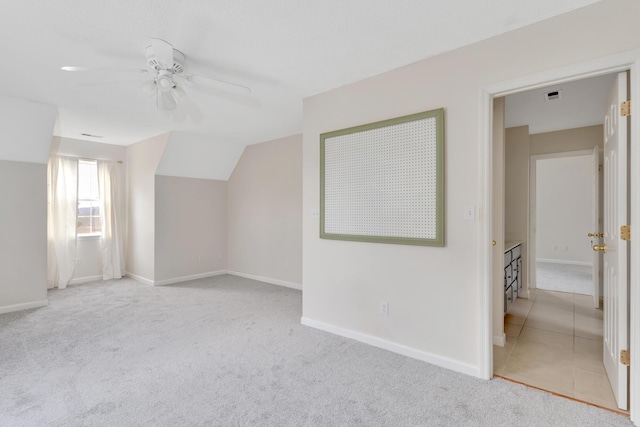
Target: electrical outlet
(554, 247)
(564, 248)
(315, 214)
(384, 308)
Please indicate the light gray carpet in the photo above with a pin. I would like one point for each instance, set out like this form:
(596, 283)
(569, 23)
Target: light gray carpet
(227, 351)
(576, 279)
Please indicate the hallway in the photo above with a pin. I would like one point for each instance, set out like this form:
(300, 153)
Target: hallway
(554, 342)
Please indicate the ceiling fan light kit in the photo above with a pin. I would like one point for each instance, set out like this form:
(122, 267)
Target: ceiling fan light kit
(164, 81)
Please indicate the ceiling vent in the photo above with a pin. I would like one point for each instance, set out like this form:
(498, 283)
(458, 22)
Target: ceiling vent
(554, 95)
(91, 136)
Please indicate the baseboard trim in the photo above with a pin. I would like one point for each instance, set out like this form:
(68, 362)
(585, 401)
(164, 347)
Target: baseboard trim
(190, 277)
(443, 362)
(84, 280)
(140, 279)
(267, 280)
(24, 306)
(562, 261)
(500, 340)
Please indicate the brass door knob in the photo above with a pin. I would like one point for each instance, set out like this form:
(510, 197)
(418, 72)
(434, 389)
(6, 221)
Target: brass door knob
(602, 248)
(595, 235)
(493, 243)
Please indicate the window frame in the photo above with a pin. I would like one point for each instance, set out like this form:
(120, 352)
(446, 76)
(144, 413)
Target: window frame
(93, 202)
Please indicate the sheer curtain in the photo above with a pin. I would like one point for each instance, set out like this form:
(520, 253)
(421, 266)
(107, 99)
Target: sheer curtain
(110, 215)
(61, 220)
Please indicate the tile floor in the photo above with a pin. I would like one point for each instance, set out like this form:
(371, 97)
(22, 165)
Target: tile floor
(554, 342)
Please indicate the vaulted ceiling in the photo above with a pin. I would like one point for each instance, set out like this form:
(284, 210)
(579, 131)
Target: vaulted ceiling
(284, 50)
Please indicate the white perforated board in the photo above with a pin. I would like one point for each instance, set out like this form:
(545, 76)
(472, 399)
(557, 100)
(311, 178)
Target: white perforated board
(382, 182)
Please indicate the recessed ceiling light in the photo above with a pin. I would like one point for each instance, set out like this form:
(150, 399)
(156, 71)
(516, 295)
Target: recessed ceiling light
(91, 136)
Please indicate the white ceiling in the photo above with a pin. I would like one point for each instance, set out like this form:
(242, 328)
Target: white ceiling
(582, 103)
(284, 50)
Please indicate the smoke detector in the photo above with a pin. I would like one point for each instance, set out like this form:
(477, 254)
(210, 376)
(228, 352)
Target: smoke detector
(553, 95)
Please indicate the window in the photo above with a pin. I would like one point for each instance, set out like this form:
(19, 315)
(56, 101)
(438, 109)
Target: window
(88, 199)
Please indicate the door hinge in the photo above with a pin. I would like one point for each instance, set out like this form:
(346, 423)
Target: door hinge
(625, 357)
(625, 108)
(625, 232)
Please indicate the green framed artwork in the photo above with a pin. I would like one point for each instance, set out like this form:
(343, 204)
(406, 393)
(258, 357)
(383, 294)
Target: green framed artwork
(384, 182)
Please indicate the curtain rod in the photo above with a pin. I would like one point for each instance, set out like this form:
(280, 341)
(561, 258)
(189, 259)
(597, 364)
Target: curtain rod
(88, 158)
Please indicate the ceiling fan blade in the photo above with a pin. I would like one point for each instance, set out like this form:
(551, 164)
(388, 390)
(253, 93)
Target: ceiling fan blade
(195, 78)
(166, 101)
(85, 69)
(163, 52)
(149, 87)
(225, 95)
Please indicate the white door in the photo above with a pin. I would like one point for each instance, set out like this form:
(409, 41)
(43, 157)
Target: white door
(595, 226)
(616, 320)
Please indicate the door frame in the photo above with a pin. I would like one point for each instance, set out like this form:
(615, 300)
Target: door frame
(532, 214)
(629, 60)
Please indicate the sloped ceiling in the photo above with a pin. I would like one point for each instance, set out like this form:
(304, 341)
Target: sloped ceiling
(25, 130)
(195, 156)
(284, 50)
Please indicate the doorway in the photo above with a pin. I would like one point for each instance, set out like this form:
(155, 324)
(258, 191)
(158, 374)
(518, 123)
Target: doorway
(565, 206)
(553, 333)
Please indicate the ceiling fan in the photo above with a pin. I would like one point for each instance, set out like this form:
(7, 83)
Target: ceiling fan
(166, 65)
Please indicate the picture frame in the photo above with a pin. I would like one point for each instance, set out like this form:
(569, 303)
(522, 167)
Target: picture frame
(383, 182)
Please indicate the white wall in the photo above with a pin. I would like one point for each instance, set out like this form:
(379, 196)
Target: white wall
(433, 293)
(23, 235)
(516, 210)
(26, 128)
(564, 209)
(516, 183)
(265, 212)
(566, 140)
(89, 252)
(190, 228)
(141, 164)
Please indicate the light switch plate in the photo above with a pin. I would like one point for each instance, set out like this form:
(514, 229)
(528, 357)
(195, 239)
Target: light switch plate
(315, 214)
(469, 212)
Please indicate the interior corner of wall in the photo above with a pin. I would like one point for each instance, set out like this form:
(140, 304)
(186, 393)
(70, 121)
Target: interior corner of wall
(237, 162)
(159, 145)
